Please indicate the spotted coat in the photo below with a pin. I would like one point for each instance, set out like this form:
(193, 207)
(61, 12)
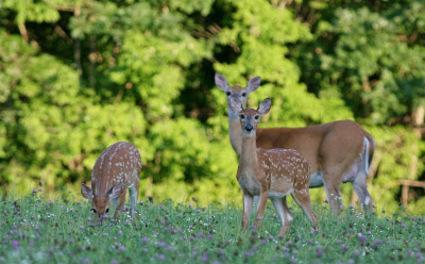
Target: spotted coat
(119, 164)
(280, 171)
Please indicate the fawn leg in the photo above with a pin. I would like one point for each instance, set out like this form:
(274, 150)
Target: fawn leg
(121, 203)
(279, 205)
(302, 198)
(133, 191)
(286, 209)
(261, 208)
(247, 207)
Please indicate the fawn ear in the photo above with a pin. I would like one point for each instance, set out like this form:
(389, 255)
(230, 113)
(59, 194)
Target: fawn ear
(253, 84)
(265, 106)
(115, 191)
(86, 191)
(221, 82)
(235, 105)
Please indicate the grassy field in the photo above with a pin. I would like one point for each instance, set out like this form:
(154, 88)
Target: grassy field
(34, 231)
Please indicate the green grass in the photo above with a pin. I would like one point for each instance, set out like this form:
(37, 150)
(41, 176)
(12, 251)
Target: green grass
(34, 231)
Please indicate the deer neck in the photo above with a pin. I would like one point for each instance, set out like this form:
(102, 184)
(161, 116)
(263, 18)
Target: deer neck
(248, 156)
(235, 132)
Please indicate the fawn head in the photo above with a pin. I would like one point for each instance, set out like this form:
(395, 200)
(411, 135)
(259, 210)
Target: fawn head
(236, 93)
(249, 117)
(100, 202)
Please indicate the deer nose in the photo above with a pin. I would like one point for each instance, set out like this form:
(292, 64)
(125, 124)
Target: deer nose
(249, 128)
(101, 219)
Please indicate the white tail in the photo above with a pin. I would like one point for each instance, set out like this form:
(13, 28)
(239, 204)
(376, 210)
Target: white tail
(331, 149)
(273, 173)
(116, 170)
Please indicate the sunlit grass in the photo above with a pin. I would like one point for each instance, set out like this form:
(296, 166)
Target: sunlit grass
(34, 231)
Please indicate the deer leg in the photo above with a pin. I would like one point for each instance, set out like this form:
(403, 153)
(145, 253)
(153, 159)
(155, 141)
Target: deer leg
(247, 207)
(302, 198)
(279, 205)
(121, 203)
(286, 209)
(360, 187)
(261, 208)
(133, 191)
(334, 198)
(332, 180)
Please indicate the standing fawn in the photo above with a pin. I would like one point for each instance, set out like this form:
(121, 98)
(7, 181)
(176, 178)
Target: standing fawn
(116, 170)
(337, 152)
(269, 173)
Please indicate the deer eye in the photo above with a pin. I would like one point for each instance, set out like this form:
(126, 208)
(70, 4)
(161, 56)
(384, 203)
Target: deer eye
(107, 210)
(242, 116)
(243, 94)
(256, 117)
(93, 210)
(228, 93)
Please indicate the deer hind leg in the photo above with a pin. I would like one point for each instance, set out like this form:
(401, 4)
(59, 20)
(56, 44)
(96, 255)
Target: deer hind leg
(279, 205)
(302, 198)
(332, 181)
(247, 207)
(360, 180)
(133, 192)
(286, 209)
(360, 187)
(121, 203)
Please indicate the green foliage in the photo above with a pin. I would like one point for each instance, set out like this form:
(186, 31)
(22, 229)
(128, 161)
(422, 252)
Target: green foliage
(40, 232)
(85, 74)
(370, 56)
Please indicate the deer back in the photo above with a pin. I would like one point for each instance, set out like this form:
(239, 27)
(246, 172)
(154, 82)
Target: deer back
(119, 164)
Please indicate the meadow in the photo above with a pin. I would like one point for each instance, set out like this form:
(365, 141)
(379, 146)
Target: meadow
(36, 231)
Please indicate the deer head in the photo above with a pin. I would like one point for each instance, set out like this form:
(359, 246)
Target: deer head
(250, 118)
(101, 202)
(236, 93)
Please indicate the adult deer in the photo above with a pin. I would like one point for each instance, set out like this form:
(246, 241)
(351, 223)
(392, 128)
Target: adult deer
(116, 170)
(337, 152)
(269, 173)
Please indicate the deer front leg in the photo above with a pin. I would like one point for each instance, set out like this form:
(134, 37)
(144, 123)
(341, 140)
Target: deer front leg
(286, 210)
(247, 206)
(261, 208)
(121, 203)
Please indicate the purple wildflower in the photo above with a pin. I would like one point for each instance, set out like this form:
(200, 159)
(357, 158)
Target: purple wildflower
(319, 252)
(377, 243)
(204, 257)
(344, 248)
(362, 239)
(15, 244)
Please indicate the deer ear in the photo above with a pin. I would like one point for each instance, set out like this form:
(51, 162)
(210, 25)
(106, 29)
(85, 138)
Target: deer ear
(221, 82)
(235, 105)
(265, 106)
(253, 84)
(115, 191)
(86, 191)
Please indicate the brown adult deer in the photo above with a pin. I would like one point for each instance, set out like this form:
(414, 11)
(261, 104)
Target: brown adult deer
(116, 170)
(337, 152)
(269, 173)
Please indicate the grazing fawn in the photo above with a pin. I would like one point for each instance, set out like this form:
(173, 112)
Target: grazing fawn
(269, 173)
(116, 170)
(337, 152)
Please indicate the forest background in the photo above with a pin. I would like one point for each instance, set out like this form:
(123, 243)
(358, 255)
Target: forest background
(79, 75)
